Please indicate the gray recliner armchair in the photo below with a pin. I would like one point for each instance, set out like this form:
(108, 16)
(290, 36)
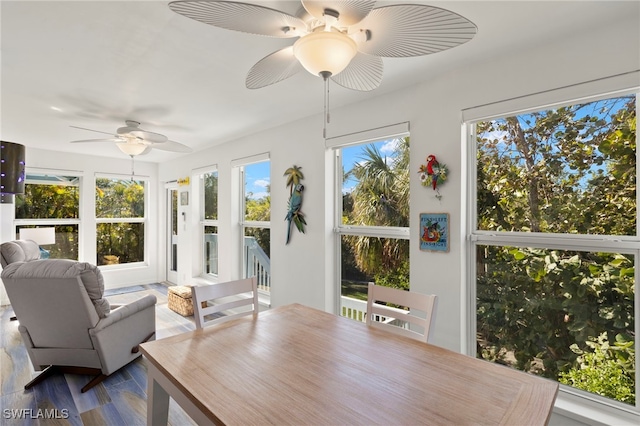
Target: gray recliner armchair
(66, 324)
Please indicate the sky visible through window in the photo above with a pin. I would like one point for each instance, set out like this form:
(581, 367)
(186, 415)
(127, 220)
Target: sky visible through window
(258, 175)
(257, 178)
(353, 155)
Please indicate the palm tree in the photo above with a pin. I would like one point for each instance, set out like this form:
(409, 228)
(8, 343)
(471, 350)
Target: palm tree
(381, 199)
(294, 176)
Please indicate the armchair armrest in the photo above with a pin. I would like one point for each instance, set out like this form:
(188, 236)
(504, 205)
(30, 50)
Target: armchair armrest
(126, 327)
(122, 312)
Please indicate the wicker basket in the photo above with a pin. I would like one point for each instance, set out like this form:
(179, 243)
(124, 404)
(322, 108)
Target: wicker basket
(179, 300)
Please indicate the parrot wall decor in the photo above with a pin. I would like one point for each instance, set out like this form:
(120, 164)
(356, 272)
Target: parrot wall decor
(433, 174)
(294, 215)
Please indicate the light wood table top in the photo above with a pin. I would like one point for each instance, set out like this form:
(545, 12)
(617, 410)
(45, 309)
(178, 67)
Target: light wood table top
(298, 365)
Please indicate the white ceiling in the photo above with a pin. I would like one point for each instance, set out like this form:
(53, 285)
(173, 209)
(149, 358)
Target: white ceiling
(94, 64)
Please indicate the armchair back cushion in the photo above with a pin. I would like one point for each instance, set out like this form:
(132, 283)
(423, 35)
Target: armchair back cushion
(86, 274)
(18, 251)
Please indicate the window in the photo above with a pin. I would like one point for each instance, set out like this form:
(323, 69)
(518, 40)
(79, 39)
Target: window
(209, 203)
(555, 242)
(373, 219)
(255, 220)
(120, 217)
(51, 200)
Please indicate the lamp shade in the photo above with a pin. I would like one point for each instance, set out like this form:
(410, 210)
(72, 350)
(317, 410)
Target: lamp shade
(325, 51)
(132, 148)
(41, 236)
(12, 170)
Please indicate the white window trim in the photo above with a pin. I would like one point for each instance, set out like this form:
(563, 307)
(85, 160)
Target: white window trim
(144, 220)
(238, 165)
(337, 143)
(199, 174)
(571, 402)
(54, 222)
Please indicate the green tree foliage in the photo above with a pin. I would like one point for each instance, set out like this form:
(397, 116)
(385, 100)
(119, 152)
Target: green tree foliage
(211, 196)
(259, 210)
(381, 198)
(119, 198)
(569, 170)
(42, 201)
(119, 242)
(53, 201)
(608, 370)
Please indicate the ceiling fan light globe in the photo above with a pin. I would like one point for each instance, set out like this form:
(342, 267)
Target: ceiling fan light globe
(132, 149)
(324, 51)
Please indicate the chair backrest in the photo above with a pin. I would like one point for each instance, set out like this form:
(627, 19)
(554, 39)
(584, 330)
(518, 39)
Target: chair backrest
(50, 299)
(18, 251)
(400, 321)
(222, 300)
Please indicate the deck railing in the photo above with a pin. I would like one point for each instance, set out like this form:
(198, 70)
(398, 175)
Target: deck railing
(210, 254)
(257, 262)
(356, 309)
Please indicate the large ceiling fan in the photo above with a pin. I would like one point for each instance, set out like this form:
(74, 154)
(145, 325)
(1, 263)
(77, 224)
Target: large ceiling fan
(343, 40)
(132, 140)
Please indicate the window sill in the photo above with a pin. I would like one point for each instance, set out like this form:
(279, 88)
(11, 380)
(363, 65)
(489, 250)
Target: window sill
(120, 266)
(592, 412)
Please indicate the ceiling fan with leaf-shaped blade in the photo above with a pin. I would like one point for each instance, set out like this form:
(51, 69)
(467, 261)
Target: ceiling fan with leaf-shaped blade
(132, 140)
(344, 40)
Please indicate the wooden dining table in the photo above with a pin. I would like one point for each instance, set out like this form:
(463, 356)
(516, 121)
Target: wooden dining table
(299, 365)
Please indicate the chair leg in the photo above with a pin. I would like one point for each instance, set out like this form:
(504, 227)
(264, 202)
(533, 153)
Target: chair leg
(136, 348)
(46, 373)
(96, 380)
(64, 369)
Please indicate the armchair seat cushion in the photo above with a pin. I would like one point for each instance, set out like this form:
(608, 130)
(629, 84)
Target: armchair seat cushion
(90, 276)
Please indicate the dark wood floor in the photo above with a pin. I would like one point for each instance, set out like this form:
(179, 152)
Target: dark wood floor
(120, 400)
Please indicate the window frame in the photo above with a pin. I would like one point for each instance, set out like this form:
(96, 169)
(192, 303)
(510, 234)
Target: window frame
(336, 145)
(239, 166)
(203, 222)
(630, 245)
(144, 220)
(55, 222)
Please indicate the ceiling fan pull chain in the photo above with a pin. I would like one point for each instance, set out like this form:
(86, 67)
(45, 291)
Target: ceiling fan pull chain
(132, 171)
(325, 76)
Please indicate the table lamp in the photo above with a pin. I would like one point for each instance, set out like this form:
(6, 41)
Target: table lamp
(42, 236)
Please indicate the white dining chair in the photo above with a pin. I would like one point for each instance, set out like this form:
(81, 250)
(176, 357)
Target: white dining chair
(400, 321)
(218, 303)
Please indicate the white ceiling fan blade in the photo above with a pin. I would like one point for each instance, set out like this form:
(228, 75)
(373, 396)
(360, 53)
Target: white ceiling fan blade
(98, 140)
(91, 130)
(171, 146)
(273, 68)
(148, 136)
(413, 30)
(351, 11)
(363, 73)
(248, 18)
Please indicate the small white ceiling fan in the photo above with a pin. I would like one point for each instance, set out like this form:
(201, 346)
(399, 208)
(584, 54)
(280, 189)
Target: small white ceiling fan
(132, 140)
